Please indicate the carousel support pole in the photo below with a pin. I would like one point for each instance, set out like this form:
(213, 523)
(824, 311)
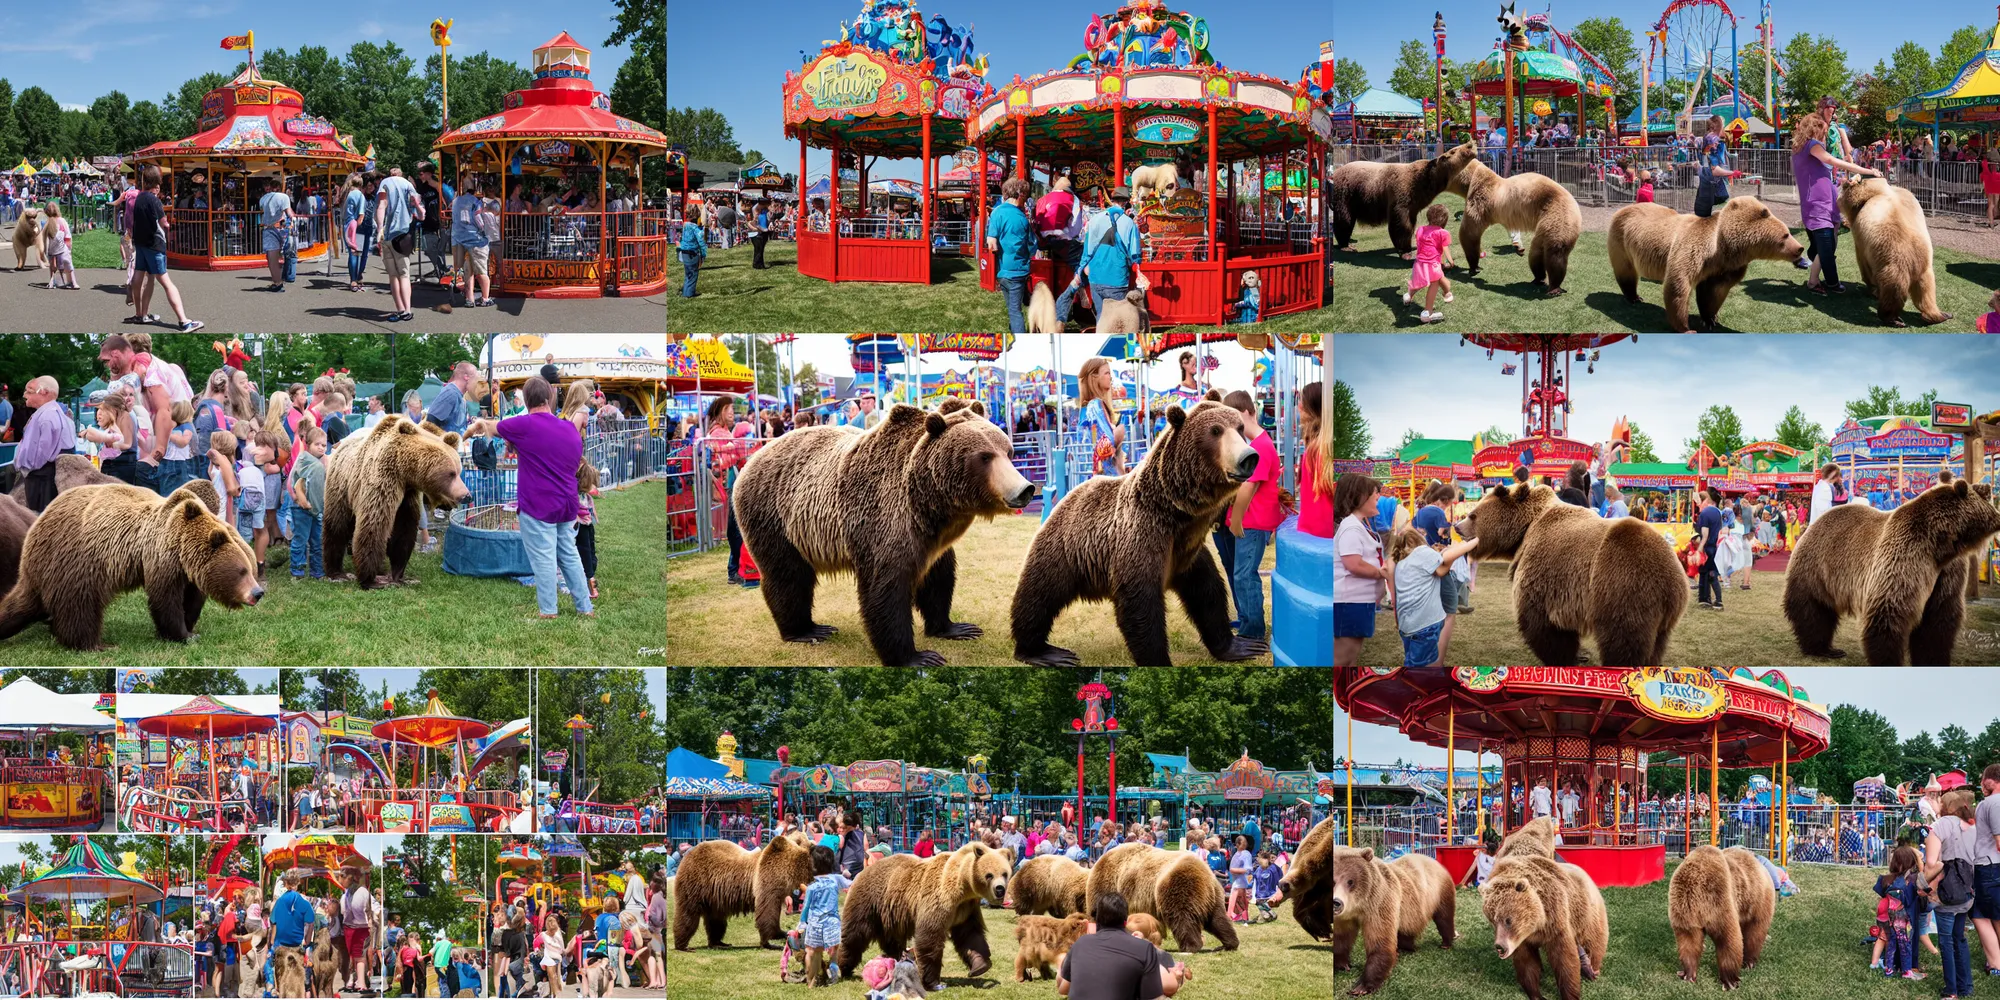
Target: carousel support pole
(929, 165)
(1021, 147)
(1479, 793)
(1777, 793)
(1784, 798)
(1687, 803)
(1117, 142)
(1507, 99)
(1450, 770)
(798, 207)
(979, 228)
(1715, 785)
(833, 206)
(1349, 826)
(606, 259)
(1214, 246)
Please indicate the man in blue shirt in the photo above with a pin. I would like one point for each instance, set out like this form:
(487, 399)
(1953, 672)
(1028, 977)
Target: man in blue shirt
(1111, 254)
(1012, 240)
(1708, 527)
(448, 407)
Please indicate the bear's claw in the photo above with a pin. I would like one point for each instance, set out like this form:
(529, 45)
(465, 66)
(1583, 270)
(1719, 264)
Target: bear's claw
(1053, 656)
(957, 630)
(817, 633)
(1241, 648)
(926, 658)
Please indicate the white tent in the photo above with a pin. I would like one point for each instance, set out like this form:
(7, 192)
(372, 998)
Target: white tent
(25, 704)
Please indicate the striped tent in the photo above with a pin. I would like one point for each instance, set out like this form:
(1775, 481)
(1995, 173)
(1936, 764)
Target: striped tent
(713, 788)
(86, 872)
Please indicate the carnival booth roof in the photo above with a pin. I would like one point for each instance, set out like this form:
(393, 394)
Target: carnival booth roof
(25, 704)
(251, 118)
(685, 763)
(1537, 73)
(712, 788)
(873, 88)
(1378, 103)
(1973, 96)
(139, 705)
(86, 872)
(561, 104)
(204, 716)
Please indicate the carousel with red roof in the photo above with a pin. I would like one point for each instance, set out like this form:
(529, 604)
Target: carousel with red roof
(550, 156)
(1547, 362)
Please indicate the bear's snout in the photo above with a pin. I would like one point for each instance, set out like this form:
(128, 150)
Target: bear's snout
(1246, 465)
(1000, 889)
(256, 593)
(1339, 904)
(1793, 249)
(1020, 497)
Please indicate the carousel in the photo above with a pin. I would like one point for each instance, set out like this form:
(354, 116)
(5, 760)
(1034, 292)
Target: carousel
(436, 802)
(1147, 90)
(92, 952)
(176, 805)
(252, 129)
(550, 157)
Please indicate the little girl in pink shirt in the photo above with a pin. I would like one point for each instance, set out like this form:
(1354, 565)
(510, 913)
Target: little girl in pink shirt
(1433, 252)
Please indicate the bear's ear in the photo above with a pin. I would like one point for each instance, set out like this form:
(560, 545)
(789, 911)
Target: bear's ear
(1176, 417)
(1964, 488)
(1214, 396)
(1367, 853)
(407, 428)
(217, 540)
(904, 413)
(1520, 885)
(935, 425)
(979, 408)
(192, 510)
(451, 438)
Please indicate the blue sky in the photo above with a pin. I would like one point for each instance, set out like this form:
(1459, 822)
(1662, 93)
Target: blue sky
(1371, 32)
(79, 50)
(724, 57)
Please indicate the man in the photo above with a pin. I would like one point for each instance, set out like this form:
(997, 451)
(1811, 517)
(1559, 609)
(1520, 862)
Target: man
(1011, 239)
(1109, 963)
(725, 220)
(1110, 257)
(277, 228)
(291, 916)
(149, 255)
(1540, 802)
(6, 406)
(376, 411)
(469, 245)
(435, 198)
(762, 222)
(1013, 840)
(1986, 867)
(153, 399)
(868, 416)
(1059, 220)
(50, 432)
(1708, 527)
(449, 409)
(398, 209)
(1569, 802)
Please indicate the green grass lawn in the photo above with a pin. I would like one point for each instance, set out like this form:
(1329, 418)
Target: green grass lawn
(1368, 287)
(96, 248)
(1276, 961)
(736, 298)
(714, 623)
(443, 620)
(1751, 630)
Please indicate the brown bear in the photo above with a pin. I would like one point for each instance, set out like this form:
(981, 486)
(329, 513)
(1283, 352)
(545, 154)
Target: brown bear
(96, 542)
(1892, 243)
(885, 504)
(1386, 903)
(1051, 884)
(1391, 194)
(1043, 941)
(899, 898)
(1905, 572)
(1577, 574)
(1690, 255)
(375, 484)
(1129, 539)
(15, 520)
(717, 880)
(1308, 883)
(27, 238)
(72, 471)
(1173, 886)
(1726, 896)
(1536, 837)
(1525, 201)
(1544, 910)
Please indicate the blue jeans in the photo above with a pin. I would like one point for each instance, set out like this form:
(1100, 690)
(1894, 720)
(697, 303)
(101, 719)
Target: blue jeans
(1246, 585)
(690, 269)
(306, 548)
(1225, 552)
(1016, 291)
(357, 261)
(1955, 954)
(552, 548)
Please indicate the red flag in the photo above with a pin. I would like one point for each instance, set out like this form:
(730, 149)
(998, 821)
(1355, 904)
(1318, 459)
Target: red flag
(242, 41)
(1326, 65)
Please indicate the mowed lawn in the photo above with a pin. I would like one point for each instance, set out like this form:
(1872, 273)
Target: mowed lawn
(736, 298)
(1750, 630)
(443, 620)
(1369, 283)
(713, 623)
(1274, 961)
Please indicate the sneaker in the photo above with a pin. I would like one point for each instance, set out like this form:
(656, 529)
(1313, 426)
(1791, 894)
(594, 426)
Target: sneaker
(1406, 296)
(1429, 317)
(1465, 609)
(1447, 296)
(192, 325)
(393, 318)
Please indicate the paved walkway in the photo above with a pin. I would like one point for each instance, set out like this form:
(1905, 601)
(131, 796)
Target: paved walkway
(234, 302)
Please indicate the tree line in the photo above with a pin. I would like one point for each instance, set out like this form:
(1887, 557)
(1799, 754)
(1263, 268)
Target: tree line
(1864, 744)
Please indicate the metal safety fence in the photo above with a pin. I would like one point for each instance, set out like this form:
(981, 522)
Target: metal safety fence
(627, 452)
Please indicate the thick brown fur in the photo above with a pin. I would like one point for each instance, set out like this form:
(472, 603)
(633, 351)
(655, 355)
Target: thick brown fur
(289, 973)
(1892, 244)
(1537, 836)
(1043, 941)
(96, 542)
(1308, 883)
(72, 471)
(1542, 910)
(718, 880)
(1391, 194)
(1126, 315)
(1173, 886)
(15, 520)
(1577, 574)
(1129, 539)
(1050, 884)
(1041, 314)
(1725, 896)
(1525, 201)
(375, 483)
(886, 504)
(1692, 257)
(1904, 572)
(1144, 925)
(1386, 904)
(901, 898)
(27, 238)
(326, 964)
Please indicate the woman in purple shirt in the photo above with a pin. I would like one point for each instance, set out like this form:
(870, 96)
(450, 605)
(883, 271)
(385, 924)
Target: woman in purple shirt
(1819, 210)
(550, 449)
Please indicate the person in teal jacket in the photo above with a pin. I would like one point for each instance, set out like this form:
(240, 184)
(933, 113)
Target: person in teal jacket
(1012, 240)
(693, 248)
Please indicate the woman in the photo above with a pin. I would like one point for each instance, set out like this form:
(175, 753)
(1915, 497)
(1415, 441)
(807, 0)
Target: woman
(1989, 182)
(656, 931)
(116, 456)
(1358, 574)
(1819, 197)
(1713, 170)
(693, 250)
(359, 225)
(1101, 431)
(1828, 493)
(1949, 843)
(719, 429)
(1190, 384)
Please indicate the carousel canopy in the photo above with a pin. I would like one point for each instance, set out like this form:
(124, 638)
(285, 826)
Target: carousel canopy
(261, 124)
(86, 872)
(25, 704)
(435, 726)
(873, 89)
(712, 788)
(1537, 73)
(202, 717)
(1972, 96)
(560, 105)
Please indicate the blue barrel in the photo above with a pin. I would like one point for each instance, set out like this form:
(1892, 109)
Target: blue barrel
(487, 552)
(1302, 599)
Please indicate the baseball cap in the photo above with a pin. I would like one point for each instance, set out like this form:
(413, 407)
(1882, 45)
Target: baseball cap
(1121, 191)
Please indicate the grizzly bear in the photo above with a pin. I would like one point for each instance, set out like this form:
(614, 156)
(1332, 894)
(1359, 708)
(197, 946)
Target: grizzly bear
(1577, 574)
(1522, 202)
(1043, 941)
(1051, 884)
(27, 238)
(1391, 194)
(376, 484)
(15, 520)
(1537, 837)
(1726, 896)
(1892, 243)
(1544, 910)
(1310, 880)
(1129, 539)
(900, 897)
(886, 504)
(1173, 886)
(1688, 254)
(717, 880)
(1905, 572)
(72, 471)
(1387, 903)
(96, 542)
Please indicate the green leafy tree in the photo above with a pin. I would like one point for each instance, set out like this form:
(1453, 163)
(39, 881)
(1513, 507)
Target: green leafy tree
(479, 87)
(1415, 75)
(1795, 431)
(1908, 71)
(39, 119)
(1349, 79)
(1921, 756)
(318, 76)
(63, 680)
(392, 117)
(1351, 438)
(1817, 67)
(11, 149)
(1985, 748)
(1611, 42)
(807, 380)
(1872, 99)
(1409, 435)
(1494, 435)
(144, 126)
(704, 132)
(196, 680)
(626, 744)
(113, 113)
(1720, 428)
(1955, 747)
(1864, 744)
(1642, 444)
(334, 689)
(1884, 402)
(1962, 47)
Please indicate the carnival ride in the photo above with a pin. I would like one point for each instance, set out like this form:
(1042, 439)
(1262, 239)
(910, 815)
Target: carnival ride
(69, 963)
(176, 804)
(1517, 71)
(561, 135)
(434, 802)
(45, 786)
(1146, 89)
(1693, 31)
(1970, 101)
(883, 89)
(1592, 727)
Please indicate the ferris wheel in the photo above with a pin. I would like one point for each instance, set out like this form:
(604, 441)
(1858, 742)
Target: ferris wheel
(1691, 51)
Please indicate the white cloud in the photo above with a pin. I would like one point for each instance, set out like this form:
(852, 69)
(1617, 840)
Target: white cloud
(372, 29)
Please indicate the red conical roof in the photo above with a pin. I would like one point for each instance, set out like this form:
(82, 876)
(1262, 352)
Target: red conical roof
(564, 40)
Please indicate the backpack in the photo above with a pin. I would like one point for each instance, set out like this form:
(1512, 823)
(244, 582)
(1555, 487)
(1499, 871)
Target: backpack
(208, 418)
(1954, 885)
(1054, 212)
(252, 495)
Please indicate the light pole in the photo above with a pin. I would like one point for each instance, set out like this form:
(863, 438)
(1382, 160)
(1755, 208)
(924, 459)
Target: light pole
(1437, 32)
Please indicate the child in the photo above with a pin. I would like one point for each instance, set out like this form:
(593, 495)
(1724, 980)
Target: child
(1253, 518)
(222, 467)
(1482, 863)
(113, 436)
(250, 496)
(552, 953)
(308, 497)
(586, 523)
(1989, 321)
(1265, 885)
(1247, 306)
(1896, 913)
(1419, 596)
(1645, 190)
(174, 469)
(819, 916)
(56, 249)
(1433, 252)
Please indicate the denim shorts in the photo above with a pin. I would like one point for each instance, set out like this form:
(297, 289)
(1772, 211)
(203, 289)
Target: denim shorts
(1452, 592)
(274, 240)
(1420, 648)
(1353, 620)
(1986, 892)
(148, 260)
(822, 934)
(248, 521)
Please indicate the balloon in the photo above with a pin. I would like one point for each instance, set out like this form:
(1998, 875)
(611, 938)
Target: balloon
(605, 698)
